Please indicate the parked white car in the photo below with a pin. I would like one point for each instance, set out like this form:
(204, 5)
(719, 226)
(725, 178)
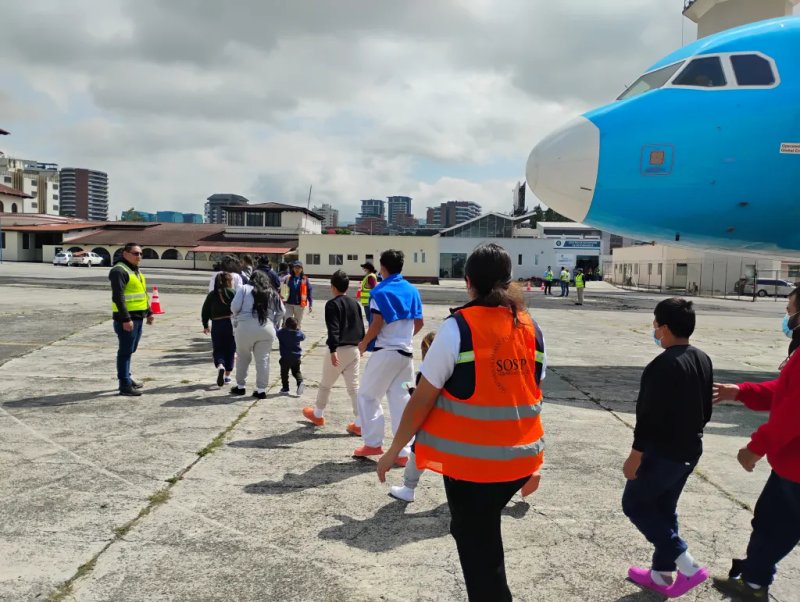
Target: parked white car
(62, 258)
(768, 287)
(85, 258)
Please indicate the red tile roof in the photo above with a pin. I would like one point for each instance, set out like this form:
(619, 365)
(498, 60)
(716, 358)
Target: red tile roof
(13, 192)
(159, 234)
(53, 227)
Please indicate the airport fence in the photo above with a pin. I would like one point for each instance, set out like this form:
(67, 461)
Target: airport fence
(736, 278)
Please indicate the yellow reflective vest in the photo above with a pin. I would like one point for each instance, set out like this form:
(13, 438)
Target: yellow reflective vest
(579, 281)
(363, 296)
(135, 293)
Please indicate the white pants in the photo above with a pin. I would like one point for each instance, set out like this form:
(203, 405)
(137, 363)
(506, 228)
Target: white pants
(349, 367)
(253, 339)
(296, 312)
(411, 473)
(385, 374)
(580, 290)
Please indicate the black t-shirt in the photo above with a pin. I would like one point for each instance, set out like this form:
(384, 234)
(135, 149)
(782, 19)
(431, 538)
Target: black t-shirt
(674, 404)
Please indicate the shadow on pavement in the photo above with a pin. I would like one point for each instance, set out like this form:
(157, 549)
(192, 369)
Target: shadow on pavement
(322, 474)
(59, 399)
(393, 526)
(286, 440)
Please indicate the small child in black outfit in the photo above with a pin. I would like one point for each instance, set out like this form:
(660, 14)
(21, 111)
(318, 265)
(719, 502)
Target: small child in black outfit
(672, 410)
(289, 339)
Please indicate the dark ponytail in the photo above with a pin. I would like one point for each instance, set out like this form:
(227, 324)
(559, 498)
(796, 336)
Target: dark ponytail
(264, 296)
(489, 271)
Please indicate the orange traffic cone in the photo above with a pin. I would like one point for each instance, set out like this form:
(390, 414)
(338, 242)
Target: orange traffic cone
(155, 304)
(542, 288)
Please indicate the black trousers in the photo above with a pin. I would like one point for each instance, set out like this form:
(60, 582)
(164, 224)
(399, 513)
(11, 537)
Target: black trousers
(475, 510)
(548, 287)
(293, 365)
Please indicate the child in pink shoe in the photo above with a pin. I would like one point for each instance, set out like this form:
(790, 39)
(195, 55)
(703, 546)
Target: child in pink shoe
(672, 410)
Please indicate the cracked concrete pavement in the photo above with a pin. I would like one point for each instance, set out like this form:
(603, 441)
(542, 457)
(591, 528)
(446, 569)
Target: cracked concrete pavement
(280, 510)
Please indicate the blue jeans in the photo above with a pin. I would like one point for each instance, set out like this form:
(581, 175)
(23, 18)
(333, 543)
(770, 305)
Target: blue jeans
(222, 343)
(564, 289)
(776, 529)
(128, 343)
(650, 502)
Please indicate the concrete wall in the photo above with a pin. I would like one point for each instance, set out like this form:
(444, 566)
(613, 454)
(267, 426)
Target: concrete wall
(421, 253)
(680, 269)
(14, 251)
(292, 223)
(732, 13)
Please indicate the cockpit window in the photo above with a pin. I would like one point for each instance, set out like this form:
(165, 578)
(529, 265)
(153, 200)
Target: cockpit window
(752, 70)
(651, 81)
(703, 72)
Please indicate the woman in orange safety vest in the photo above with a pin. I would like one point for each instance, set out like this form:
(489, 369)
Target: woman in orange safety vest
(475, 414)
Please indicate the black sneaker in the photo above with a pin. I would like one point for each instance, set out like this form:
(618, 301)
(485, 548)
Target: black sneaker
(284, 391)
(237, 391)
(221, 377)
(136, 385)
(130, 392)
(262, 395)
(735, 587)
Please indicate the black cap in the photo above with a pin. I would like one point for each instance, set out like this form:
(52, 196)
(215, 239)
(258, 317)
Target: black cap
(368, 265)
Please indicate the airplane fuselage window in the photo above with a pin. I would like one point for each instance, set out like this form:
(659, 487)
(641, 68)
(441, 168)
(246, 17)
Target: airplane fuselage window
(651, 81)
(702, 72)
(752, 70)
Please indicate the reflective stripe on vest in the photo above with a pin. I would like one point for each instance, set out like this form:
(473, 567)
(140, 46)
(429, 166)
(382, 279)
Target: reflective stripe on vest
(303, 292)
(135, 292)
(496, 433)
(365, 292)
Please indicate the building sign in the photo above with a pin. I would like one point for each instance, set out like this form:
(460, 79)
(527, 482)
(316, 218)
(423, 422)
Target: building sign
(578, 244)
(790, 148)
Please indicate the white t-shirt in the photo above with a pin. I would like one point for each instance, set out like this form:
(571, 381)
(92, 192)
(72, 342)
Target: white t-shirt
(397, 335)
(236, 281)
(440, 361)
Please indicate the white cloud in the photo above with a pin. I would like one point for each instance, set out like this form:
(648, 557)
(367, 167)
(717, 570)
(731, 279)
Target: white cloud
(181, 99)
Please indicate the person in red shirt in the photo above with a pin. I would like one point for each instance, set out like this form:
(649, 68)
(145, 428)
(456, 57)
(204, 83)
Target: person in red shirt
(776, 520)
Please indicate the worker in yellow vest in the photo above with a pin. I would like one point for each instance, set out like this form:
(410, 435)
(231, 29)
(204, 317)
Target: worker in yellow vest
(487, 445)
(369, 282)
(564, 278)
(580, 285)
(548, 281)
(131, 307)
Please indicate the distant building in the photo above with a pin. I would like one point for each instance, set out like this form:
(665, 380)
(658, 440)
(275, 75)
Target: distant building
(266, 220)
(15, 201)
(174, 217)
(38, 180)
(192, 218)
(330, 216)
(372, 219)
(84, 193)
(398, 205)
(452, 213)
(215, 214)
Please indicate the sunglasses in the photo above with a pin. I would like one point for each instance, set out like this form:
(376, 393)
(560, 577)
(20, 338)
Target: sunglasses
(134, 254)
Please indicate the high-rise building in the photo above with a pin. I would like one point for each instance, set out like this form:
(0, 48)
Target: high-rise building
(175, 217)
(398, 205)
(330, 216)
(84, 193)
(215, 213)
(452, 213)
(38, 180)
(372, 219)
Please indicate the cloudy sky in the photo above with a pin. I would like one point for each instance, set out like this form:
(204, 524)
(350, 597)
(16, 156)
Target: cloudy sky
(434, 99)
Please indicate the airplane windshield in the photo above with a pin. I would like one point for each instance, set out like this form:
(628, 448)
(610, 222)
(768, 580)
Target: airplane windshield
(651, 81)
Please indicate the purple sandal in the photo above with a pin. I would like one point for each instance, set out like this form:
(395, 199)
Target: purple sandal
(641, 576)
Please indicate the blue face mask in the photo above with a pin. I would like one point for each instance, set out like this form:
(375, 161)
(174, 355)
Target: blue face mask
(656, 340)
(787, 330)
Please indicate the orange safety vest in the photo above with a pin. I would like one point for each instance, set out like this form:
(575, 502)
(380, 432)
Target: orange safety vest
(485, 426)
(303, 292)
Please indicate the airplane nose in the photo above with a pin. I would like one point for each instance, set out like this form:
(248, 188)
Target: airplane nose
(562, 168)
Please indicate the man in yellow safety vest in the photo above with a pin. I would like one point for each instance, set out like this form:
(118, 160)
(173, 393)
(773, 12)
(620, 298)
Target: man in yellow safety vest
(131, 307)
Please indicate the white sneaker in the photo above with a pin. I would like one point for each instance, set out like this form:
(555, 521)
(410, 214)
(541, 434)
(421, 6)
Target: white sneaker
(401, 492)
(300, 388)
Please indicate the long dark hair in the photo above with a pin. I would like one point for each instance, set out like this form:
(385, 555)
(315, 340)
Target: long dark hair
(221, 282)
(264, 296)
(489, 271)
(795, 342)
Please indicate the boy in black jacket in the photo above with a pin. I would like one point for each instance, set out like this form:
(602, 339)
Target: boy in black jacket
(673, 408)
(289, 339)
(345, 324)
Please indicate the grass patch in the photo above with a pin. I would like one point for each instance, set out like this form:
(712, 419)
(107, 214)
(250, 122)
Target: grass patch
(65, 589)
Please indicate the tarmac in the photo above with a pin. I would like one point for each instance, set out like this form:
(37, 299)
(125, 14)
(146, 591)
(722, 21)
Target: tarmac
(189, 493)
